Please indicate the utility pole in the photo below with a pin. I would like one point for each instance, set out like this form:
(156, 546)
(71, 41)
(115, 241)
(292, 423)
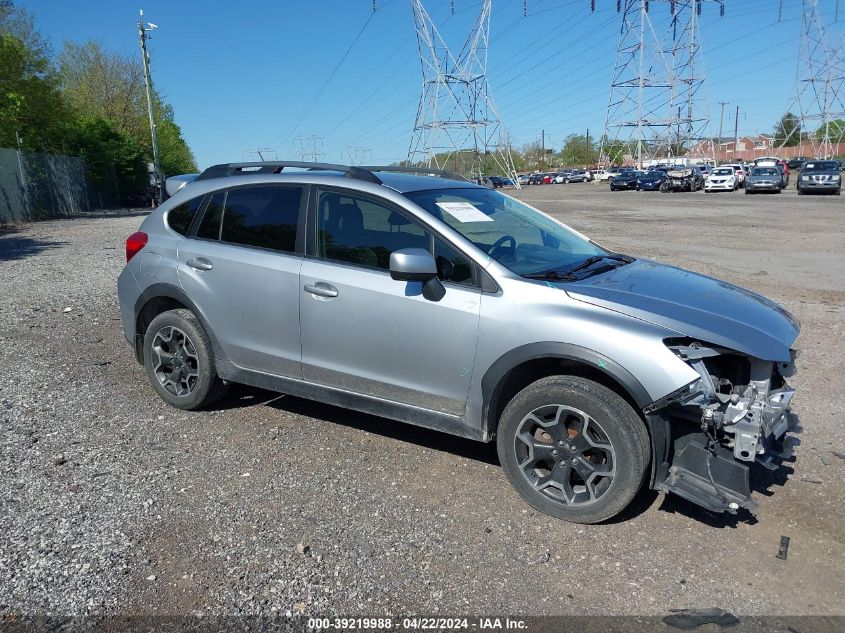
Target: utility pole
(158, 177)
(589, 149)
(736, 131)
(721, 124)
(542, 149)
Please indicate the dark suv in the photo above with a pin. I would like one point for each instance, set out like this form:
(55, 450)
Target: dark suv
(820, 176)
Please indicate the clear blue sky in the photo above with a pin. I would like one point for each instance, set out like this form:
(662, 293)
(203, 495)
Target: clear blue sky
(243, 74)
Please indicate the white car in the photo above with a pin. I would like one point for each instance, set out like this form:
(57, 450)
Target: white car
(724, 178)
(739, 171)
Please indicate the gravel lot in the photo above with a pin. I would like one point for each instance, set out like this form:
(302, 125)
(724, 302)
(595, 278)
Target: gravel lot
(114, 503)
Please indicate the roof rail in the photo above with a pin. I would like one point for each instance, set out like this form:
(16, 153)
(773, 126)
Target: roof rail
(423, 171)
(276, 167)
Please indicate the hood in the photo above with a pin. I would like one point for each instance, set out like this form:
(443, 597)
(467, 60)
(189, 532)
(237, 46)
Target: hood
(650, 179)
(693, 305)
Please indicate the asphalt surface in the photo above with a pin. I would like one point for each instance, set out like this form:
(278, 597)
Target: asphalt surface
(114, 503)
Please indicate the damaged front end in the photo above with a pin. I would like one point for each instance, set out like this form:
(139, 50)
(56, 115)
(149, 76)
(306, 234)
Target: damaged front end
(707, 434)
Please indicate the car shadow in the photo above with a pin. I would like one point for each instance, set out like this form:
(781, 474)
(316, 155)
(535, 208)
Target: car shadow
(13, 246)
(241, 396)
(104, 215)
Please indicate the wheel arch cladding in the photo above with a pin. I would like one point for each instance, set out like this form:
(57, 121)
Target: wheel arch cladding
(523, 365)
(159, 298)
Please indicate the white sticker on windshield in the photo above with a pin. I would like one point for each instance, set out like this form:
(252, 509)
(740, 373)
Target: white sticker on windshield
(464, 212)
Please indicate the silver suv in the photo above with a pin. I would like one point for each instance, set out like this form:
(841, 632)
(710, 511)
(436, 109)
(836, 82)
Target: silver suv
(421, 297)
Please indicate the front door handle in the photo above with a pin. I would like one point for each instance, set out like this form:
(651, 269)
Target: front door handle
(200, 263)
(321, 289)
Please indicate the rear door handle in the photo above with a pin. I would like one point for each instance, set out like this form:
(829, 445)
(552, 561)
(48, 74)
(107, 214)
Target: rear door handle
(321, 289)
(200, 263)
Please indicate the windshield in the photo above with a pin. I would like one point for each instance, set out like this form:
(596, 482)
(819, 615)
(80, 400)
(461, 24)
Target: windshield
(723, 171)
(654, 174)
(764, 171)
(823, 165)
(514, 234)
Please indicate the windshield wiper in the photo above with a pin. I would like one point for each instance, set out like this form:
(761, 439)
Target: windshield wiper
(594, 259)
(550, 275)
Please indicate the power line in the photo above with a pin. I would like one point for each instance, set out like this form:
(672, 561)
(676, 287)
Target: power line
(328, 80)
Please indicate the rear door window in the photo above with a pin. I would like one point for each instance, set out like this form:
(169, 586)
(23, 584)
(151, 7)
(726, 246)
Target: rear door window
(264, 217)
(209, 228)
(180, 218)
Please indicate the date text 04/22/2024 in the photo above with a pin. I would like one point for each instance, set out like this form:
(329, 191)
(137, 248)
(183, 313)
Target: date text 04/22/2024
(416, 624)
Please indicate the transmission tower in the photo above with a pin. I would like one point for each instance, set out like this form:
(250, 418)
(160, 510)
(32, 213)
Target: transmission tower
(357, 155)
(456, 124)
(655, 110)
(260, 154)
(310, 147)
(818, 89)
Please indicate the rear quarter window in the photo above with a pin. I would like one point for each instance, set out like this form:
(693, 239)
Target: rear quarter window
(180, 218)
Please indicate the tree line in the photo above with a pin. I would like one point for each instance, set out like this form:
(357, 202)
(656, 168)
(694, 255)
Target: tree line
(83, 101)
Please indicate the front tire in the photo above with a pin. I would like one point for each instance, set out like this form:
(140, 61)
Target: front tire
(573, 449)
(179, 360)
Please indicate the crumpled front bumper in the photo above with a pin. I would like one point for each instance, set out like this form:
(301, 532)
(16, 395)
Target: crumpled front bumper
(713, 431)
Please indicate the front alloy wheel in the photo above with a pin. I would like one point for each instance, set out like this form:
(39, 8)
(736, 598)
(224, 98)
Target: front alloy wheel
(573, 448)
(565, 454)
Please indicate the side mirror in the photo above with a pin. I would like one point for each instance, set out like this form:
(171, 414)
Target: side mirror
(417, 264)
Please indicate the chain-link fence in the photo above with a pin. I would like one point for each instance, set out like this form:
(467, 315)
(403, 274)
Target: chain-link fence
(39, 186)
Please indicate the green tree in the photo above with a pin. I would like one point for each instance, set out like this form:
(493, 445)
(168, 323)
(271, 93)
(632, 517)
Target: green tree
(104, 84)
(787, 131)
(31, 105)
(577, 150)
(834, 130)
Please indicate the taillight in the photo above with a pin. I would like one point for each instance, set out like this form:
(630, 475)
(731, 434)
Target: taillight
(135, 243)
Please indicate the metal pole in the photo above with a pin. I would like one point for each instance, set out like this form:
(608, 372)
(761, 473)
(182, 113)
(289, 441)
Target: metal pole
(24, 183)
(159, 177)
(736, 133)
(542, 149)
(589, 153)
(721, 124)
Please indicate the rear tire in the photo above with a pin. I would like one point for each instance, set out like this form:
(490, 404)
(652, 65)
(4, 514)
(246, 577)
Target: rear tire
(179, 360)
(573, 449)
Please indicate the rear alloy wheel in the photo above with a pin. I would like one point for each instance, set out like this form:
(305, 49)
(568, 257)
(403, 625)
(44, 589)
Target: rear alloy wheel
(179, 360)
(573, 448)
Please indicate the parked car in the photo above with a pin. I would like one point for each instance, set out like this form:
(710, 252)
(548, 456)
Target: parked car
(739, 173)
(764, 179)
(524, 179)
(820, 175)
(797, 162)
(549, 178)
(651, 180)
(498, 181)
(536, 179)
(685, 179)
(598, 174)
(577, 175)
(593, 371)
(560, 177)
(625, 180)
(724, 178)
